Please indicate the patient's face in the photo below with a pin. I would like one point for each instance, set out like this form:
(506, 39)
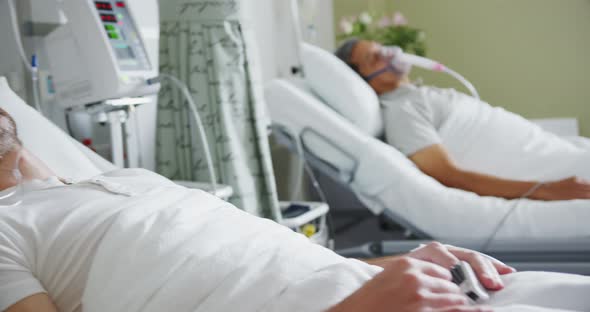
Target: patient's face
(367, 56)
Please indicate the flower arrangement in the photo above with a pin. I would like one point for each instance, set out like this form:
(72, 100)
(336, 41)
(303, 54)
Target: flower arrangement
(388, 30)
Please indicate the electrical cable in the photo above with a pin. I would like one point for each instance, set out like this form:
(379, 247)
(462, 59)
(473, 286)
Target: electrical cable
(511, 210)
(314, 181)
(135, 120)
(193, 108)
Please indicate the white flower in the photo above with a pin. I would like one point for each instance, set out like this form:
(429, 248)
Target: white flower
(346, 26)
(399, 19)
(365, 18)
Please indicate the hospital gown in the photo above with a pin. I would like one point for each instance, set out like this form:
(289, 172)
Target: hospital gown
(480, 137)
(131, 241)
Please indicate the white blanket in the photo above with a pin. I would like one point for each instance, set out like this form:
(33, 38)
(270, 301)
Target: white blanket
(491, 140)
(181, 250)
(175, 249)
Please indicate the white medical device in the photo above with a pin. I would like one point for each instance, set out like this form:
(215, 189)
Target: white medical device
(432, 65)
(402, 62)
(465, 278)
(98, 54)
(309, 219)
(98, 62)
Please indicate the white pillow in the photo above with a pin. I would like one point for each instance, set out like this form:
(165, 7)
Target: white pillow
(46, 140)
(342, 89)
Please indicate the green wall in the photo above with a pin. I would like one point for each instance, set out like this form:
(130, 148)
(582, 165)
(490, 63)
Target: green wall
(531, 57)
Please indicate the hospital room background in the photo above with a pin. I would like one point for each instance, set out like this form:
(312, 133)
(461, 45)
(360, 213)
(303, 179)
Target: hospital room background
(529, 57)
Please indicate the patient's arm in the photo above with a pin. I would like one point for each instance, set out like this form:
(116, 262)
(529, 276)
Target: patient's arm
(436, 162)
(34, 303)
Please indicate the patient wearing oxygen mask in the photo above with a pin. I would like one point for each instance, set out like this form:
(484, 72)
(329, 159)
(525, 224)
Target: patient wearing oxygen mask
(464, 142)
(16, 162)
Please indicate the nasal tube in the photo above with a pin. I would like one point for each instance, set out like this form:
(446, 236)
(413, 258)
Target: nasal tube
(432, 65)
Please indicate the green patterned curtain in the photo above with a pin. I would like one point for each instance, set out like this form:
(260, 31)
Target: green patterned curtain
(206, 45)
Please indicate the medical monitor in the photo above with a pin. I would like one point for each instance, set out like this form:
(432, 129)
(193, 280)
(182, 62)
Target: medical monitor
(98, 54)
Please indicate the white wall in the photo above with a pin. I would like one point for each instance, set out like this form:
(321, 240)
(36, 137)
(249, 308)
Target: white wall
(9, 60)
(325, 20)
(260, 18)
(274, 28)
(320, 14)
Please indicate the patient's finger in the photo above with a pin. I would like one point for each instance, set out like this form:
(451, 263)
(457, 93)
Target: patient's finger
(440, 286)
(482, 266)
(443, 256)
(436, 271)
(501, 267)
(436, 253)
(494, 281)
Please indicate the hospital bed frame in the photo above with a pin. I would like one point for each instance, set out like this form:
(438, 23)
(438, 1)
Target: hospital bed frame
(572, 258)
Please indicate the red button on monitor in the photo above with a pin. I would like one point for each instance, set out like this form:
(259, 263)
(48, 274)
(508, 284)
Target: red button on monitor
(108, 18)
(104, 6)
(120, 4)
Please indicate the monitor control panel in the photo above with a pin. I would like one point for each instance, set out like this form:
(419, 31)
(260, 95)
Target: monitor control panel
(123, 36)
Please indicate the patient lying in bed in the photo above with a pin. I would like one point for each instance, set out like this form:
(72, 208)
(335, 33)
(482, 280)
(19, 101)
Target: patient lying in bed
(465, 143)
(132, 240)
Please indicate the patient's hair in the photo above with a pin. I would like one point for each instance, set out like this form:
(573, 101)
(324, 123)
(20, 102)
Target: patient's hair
(344, 52)
(8, 134)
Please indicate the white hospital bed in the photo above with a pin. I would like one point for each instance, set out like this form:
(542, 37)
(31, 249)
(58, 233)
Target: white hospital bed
(340, 138)
(62, 153)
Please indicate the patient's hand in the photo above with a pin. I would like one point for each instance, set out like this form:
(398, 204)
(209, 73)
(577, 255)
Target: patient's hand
(408, 285)
(566, 189)
(487, 269)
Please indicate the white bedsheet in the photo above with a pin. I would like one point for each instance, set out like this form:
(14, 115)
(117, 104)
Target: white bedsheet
(175, 249)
